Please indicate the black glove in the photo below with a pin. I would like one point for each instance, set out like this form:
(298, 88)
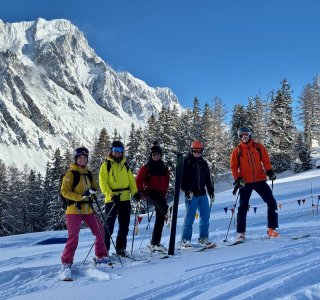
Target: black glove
(211, 195)
(188, 195)
(115, 198)
(272, 174)
(240, 183)
(137, 196)
(86, 194)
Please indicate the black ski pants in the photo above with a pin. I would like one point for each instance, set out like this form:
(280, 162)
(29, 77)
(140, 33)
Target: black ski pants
(121, 210)
(263, 189)
(161, 209)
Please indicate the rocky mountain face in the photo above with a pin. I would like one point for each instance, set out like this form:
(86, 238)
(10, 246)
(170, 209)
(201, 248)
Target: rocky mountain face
(55, 91)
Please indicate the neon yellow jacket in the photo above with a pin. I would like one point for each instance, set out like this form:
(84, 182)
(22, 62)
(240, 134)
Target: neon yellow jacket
(76, 195)
(119, 177)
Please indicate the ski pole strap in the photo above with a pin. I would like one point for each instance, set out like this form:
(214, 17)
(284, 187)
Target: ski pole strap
(120, 190)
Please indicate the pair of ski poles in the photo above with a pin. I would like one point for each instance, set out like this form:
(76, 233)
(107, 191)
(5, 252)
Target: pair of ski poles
(104, 225)
(237, 187)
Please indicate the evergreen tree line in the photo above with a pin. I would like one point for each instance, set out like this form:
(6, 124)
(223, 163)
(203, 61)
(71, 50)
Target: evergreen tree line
(30, 202)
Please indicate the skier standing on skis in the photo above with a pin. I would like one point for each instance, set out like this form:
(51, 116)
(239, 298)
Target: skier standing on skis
(250, 163)
(153, 183)
(80, 209)
(196, 182)
(117, 183)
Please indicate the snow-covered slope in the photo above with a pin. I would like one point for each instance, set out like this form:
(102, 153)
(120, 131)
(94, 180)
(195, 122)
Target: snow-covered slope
(261, 268)
(54, 89)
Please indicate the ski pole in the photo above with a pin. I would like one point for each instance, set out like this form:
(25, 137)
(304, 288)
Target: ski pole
(104, 224)
(101, 216)
(235, 204)
(134, 227)
(148, 225)
(99, 228)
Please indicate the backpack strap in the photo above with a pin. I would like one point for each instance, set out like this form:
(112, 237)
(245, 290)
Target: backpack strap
(255, 145)
(108, 162)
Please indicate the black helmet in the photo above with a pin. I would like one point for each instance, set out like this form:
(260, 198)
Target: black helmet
(116, 145)
(81, 151)
(156, 149)
(242, 130)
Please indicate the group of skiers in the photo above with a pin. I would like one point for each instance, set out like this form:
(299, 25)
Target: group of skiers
(250, 163)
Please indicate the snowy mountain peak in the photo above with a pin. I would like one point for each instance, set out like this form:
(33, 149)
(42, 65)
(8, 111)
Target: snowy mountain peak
(55, 89)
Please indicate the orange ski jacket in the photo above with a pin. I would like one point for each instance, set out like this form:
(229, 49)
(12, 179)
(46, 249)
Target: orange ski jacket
(250, 161)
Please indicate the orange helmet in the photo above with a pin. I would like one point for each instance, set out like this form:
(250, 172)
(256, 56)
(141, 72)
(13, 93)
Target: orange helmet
(196, 145)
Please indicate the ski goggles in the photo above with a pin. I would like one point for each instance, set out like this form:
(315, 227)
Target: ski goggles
(197, 151)
(244, 134)
(117, 149)
(81, 151)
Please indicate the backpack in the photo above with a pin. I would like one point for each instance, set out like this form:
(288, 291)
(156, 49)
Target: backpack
(76, 178)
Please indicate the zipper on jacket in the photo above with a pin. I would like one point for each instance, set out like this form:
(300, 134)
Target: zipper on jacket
(251, 161)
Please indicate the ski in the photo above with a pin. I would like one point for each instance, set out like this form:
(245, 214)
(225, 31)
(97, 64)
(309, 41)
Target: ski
(67, 279)
(301, 237)
(237, 242)
(207, 247)
(107, 264)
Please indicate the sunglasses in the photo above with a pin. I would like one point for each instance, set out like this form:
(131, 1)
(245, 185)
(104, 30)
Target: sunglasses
(117, 149)
(244, 134)
(197, 151)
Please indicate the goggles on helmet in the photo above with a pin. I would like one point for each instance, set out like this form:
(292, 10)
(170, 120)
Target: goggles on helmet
(117, 149)
(244, 134)
(81, 151)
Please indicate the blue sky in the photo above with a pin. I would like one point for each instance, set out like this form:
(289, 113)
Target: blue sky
(232, 49)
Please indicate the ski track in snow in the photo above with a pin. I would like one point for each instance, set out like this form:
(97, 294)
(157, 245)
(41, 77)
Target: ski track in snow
(255, 275)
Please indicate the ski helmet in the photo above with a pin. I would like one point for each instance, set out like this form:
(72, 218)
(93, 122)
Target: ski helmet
(197, 145)
(242, 130)
(117, 146)
(81, 151)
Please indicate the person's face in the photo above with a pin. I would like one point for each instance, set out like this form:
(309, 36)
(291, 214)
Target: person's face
(117, 153)
(82, 160)
(245, 136)
(155, 156)
(197, 152)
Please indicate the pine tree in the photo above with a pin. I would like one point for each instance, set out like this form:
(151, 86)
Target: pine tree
(184, 136)
(4, 196)
(196, 129)
(281, 128)
(152, 131)
(136, 149)
(15, 204)
(239, 119)
(100, 152)
(55, 213)
(301, 155)
(36, 207)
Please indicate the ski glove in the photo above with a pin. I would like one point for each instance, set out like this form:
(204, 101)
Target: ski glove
(240, 182)
(137, 197)
(115, 198)
(212, 198)
(188, 195)
(86, 194)
(272, 174)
